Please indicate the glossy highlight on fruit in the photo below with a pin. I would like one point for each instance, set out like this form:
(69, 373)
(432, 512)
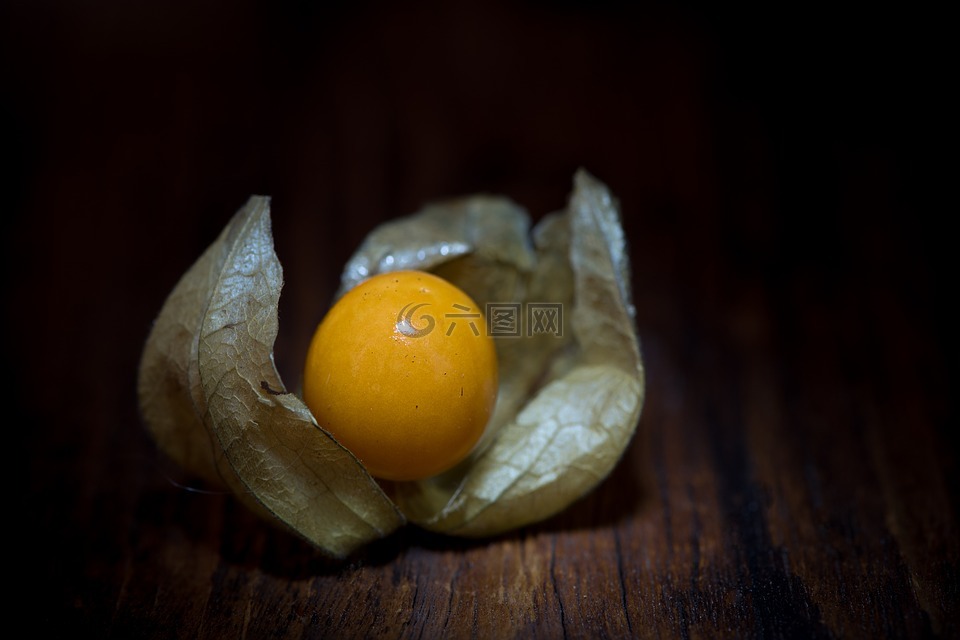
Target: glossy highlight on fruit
(403, 373)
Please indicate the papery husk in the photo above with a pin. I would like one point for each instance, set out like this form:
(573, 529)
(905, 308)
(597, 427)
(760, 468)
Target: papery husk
(211, 395)
(567, 405)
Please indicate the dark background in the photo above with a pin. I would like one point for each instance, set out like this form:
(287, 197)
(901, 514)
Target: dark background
(780, 175)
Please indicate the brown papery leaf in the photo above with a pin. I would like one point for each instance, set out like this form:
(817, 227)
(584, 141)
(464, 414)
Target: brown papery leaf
(574, 430)
(171, 399)
(567, 407)
(266, 444)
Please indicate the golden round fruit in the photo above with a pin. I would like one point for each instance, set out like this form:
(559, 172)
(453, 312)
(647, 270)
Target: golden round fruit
(403, 373)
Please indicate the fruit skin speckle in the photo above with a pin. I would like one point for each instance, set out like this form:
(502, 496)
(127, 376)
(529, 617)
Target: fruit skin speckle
(397, 373)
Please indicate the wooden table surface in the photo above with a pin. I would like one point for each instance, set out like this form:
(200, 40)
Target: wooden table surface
(792, 473)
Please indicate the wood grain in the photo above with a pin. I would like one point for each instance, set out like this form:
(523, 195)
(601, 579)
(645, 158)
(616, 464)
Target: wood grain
(793, 474)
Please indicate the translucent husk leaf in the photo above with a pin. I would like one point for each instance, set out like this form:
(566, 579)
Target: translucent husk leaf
(567, 407)
(171, 400)
(211, 395)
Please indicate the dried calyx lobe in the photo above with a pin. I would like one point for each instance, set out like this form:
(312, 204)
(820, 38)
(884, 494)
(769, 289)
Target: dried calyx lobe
(568, 402)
